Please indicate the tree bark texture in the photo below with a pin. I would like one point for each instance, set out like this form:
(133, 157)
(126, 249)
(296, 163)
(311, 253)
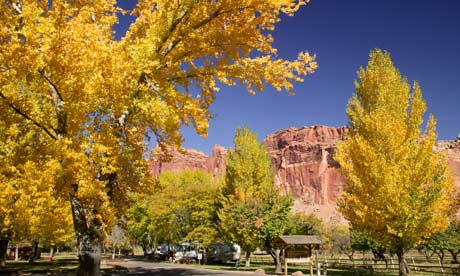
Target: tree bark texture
(89, 238)
(403, 267)
(3, 249)
(275, 253)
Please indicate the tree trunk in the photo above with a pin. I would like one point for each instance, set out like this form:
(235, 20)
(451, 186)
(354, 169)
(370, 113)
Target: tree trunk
(403, 267)
(454, 254)
(275, 253)
(35, 254)
(16, 253)
(248, 258)
(441, 257)
(3, 249)
(89, 236)
(51, 253)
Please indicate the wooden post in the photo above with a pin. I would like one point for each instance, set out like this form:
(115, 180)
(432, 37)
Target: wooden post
(318, 266)
(311, 260)
(415, 267)
(318, 269)
(285, 261)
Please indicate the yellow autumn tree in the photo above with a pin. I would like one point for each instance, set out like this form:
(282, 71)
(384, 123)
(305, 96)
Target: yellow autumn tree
(399, 190)
(49, 217)
(29, 211)
(99, 100)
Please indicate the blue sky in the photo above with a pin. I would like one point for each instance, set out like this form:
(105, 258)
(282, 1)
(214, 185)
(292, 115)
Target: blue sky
(423, 37)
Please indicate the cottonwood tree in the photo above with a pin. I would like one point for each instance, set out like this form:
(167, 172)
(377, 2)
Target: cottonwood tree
(303, 224)
(253, 213)
(398, 189)
(184, 206)
(139, 222)
(29, 211)
(98, 99)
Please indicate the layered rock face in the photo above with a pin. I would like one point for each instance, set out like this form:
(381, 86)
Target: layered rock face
(303, 163)
(453, 153)
(191, 159)
(305, 168)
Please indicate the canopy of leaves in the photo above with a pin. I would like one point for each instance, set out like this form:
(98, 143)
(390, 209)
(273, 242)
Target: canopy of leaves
(181, 208)
(253, 212)
(29, 210)
(446, 240)
(398, 189)
(303, 224)
(97, 101)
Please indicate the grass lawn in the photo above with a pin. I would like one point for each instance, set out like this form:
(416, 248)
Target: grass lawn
(62, 263)
(40, 266)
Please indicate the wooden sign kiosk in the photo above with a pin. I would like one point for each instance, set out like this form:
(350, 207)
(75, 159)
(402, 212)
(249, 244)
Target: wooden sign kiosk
(297, 256)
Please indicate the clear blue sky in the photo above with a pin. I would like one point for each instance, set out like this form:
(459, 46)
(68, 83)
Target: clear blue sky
(423, 37)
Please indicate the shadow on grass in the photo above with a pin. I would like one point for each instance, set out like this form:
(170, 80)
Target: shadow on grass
(168, 272)
(55, 267)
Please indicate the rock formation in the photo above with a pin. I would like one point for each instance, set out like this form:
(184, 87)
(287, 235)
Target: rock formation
(303, 163)
(453, 153)
(305, 168)
(191, 159)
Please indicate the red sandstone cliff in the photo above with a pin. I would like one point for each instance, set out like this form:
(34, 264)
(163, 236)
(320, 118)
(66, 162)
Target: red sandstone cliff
(304, 166)
(191, 159)
(303, 162)
(453, 152)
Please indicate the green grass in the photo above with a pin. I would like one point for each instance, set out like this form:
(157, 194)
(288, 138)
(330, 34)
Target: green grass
(40, 266)
(62, 263)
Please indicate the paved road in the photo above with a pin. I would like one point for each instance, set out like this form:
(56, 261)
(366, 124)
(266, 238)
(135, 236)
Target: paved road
(146, 268)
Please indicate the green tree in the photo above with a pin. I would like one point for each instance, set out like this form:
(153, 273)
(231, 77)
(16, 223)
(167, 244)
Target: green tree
(398, 189)
(253, 212)
(448, 240)
(139, 222)
(362, 242)
(336, 238)
(303, 224)
(181, 207)
(276, 210)
(452, 235)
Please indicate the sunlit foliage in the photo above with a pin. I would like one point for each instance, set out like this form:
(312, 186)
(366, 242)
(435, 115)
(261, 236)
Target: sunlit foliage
(398, 189)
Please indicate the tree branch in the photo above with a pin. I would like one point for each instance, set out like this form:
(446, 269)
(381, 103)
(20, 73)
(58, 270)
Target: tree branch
(54, 87)
(198, 25)
(17, 110)
(173, 26)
